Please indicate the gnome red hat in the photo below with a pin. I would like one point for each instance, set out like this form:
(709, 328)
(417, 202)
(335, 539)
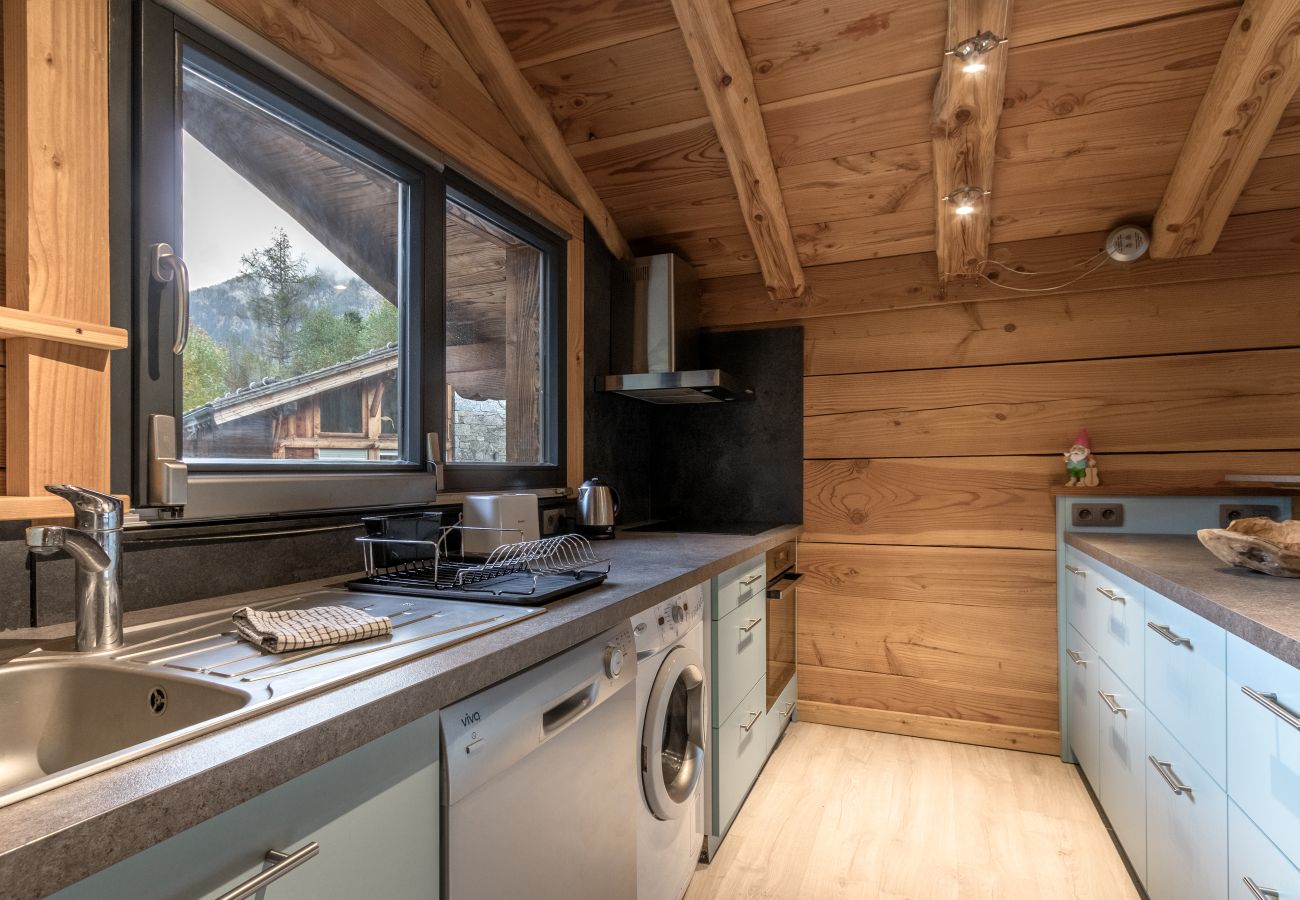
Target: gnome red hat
(1082, 440)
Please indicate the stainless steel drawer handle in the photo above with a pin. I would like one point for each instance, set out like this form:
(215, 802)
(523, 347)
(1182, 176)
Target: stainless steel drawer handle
(1273, 705)
(746, 582)
(1260, 893)
(789, 706)
(1076, 658)
(753, 718)
(1075, 570)
(750, 625)
(284, 864)
(1109, 700)
(1166, 771)
(1111, 595)
(1164, 632)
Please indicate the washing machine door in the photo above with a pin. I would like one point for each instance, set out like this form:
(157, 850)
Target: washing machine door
(672, 736)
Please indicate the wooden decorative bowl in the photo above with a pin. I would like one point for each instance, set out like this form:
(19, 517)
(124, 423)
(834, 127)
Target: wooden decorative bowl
(1260, 544)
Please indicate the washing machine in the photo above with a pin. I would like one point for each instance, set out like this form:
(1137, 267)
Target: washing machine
(672, 704)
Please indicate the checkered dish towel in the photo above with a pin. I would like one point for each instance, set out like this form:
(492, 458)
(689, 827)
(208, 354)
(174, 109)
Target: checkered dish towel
(300, 629)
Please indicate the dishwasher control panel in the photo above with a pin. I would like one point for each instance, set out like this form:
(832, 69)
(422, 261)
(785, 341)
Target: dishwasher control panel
(486, 733)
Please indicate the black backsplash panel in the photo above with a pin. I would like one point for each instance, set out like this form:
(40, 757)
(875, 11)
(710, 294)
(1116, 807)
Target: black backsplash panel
(740, 461)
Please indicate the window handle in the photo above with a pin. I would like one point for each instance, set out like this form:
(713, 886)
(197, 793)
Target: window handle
(166, 266)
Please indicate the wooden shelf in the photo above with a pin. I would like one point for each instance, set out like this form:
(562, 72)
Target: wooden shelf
(46, 506)
(19, 323)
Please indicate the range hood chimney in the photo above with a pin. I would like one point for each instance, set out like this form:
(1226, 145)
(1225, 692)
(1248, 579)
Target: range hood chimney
(654, 341)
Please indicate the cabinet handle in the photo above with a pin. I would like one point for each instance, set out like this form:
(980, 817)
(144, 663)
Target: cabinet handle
(1111, 595)
(746, 582)
(1076, 658)
(1166, 771)
(1273, 705)
(753, 717)
(1075, 570)
(1164, 632)
(1260, 893)
(788, 707)
(1109, 700)
(284, 864)
(753, 623)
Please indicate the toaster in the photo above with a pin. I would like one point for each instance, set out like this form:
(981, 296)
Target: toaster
(502, 518)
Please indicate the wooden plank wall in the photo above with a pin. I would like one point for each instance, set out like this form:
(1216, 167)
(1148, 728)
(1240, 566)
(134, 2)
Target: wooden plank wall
(933, 434)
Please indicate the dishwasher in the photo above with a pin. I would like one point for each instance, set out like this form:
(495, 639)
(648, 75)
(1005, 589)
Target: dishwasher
(541, 780)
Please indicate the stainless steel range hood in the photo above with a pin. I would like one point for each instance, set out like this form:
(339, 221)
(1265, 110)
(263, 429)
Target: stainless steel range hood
(654, 340)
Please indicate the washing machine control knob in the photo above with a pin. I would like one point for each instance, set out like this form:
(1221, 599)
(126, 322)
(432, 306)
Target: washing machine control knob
(613, 660)
(679, 613)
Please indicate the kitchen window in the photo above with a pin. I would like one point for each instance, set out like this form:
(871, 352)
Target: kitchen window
(348, 300)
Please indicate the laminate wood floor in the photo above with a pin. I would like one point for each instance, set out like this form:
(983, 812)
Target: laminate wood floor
(856, 814)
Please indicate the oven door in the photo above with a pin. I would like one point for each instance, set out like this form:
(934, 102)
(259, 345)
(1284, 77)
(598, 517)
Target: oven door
(782, 610)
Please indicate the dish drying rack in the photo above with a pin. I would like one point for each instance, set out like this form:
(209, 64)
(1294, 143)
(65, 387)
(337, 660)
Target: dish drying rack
(536, 571)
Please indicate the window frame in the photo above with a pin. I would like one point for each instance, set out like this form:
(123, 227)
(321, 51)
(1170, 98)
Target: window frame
(151, 37)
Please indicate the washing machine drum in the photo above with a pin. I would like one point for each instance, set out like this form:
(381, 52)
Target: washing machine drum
(672, 737)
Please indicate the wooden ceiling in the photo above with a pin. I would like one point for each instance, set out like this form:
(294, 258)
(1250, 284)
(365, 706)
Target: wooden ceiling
(1099, 97)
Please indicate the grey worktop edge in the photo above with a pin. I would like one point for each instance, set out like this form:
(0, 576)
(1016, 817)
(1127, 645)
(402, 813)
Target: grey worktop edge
(57, 838)
(1282, 644)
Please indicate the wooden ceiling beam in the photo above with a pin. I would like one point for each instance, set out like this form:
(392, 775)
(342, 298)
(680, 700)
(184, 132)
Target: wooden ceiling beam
(477, 37)
(727, 82)
(1257, 75)
(964, 131)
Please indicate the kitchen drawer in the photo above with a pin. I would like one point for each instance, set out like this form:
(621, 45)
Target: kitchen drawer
(1083, 723)
(1255, 866)
(1123, 624)
(1083, 603)
(374, 813)
(739, 585)
(1186, 684)
(1264, 742)
(1187, 829)
(739, 657)
(782, 712)
(740, 748)
(1123, 766)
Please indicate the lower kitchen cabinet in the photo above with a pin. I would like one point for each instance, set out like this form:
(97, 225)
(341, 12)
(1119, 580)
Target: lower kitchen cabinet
(1122, 766)
(782, 713)
(1256, 868)
(373, 812)
(1082, 704)
(1187, 823)
(740, 747)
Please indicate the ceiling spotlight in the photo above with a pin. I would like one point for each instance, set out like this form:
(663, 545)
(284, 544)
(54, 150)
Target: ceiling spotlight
(965, 199)
(972, 51)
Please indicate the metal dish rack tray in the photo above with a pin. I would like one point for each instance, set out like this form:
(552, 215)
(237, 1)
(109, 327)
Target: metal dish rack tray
(530, 572)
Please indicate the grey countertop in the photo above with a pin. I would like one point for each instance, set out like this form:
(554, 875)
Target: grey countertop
(64, 835)
(1261, 609)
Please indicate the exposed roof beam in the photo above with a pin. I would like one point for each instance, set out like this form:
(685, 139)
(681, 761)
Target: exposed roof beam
(472, 29)
(727, 83)
(964, 131)
(1257, 75)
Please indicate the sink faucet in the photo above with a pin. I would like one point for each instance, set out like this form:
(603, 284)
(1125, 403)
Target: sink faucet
(96, 547)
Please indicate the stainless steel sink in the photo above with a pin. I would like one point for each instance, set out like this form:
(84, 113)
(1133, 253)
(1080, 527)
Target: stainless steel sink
(65, 715)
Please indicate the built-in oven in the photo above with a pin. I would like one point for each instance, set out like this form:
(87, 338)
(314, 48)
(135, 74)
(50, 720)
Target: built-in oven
(782, 611)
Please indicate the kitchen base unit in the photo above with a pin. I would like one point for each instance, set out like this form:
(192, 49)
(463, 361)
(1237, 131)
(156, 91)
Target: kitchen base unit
(362, 825)
(541, 790)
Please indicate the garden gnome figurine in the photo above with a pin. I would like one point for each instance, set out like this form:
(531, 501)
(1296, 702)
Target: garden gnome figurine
(1080, 464)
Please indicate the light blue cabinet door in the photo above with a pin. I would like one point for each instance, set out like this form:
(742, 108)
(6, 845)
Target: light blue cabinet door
(1123, 625)
(1264, 743)
(1255, 866)
(739, 656)
(1082, 602)
(738, 585)
(1186, 685)
(1123, 766)
(1187, 830)
(1082, 704)
(374, 813)
(740, 749)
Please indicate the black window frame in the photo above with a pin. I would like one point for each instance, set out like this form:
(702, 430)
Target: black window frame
(146, 41)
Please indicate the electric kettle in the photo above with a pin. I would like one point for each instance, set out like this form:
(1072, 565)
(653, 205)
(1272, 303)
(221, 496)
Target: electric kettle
(597, 508)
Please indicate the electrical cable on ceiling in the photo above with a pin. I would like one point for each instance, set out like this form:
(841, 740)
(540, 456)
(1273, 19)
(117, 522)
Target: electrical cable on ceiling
(1028, 272)
(1055, 287)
